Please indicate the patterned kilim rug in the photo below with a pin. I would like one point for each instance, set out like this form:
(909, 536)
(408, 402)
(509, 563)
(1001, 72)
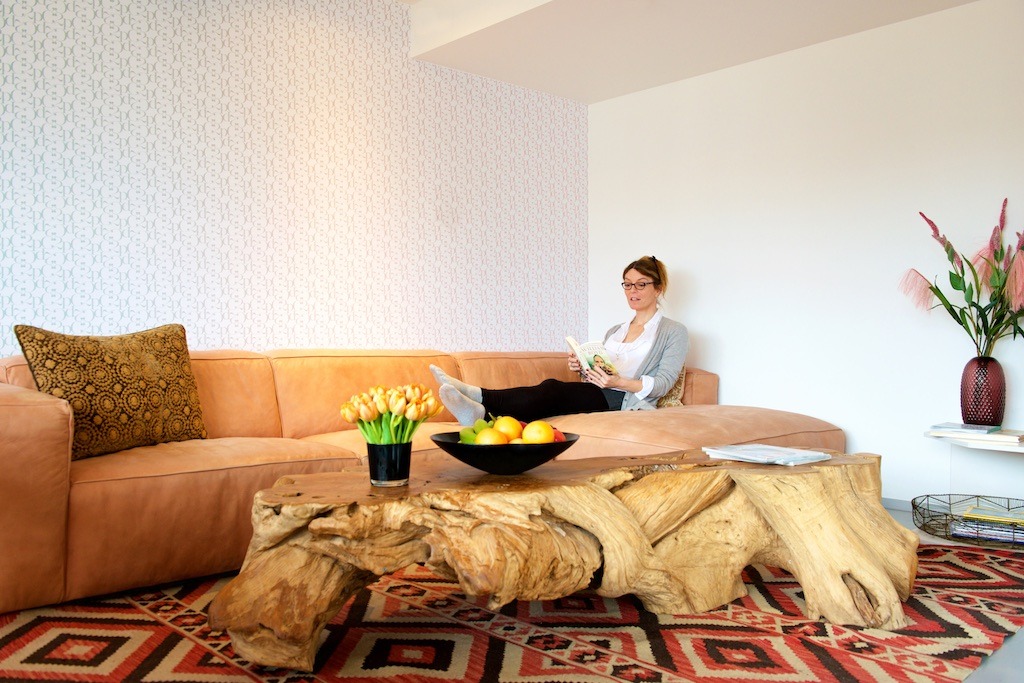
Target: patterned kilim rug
(416, 627)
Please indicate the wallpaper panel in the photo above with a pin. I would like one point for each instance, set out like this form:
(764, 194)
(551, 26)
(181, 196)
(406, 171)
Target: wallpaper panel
(278, 173)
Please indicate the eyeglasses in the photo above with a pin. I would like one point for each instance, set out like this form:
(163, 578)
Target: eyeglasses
(639, 286)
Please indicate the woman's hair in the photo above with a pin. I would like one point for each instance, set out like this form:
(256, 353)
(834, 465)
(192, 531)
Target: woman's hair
(649, 266)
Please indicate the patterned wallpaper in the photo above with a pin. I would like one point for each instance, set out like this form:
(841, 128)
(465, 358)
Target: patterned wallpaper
(278, 173)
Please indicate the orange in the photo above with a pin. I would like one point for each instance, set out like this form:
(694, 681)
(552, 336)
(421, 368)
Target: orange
(509, 426)
(538, 431)
(490, 437)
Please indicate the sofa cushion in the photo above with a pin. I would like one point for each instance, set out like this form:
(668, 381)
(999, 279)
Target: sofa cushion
(686, 427)
(125, 391)
(236, 389)
(154, 514)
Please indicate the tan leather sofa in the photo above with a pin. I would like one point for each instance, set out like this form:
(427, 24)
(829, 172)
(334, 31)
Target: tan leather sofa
(144, 516)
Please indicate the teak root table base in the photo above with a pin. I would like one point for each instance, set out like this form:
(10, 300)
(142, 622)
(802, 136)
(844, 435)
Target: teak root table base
(675, 530)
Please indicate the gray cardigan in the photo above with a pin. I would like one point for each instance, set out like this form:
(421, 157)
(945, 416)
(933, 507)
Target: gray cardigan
(663, 363)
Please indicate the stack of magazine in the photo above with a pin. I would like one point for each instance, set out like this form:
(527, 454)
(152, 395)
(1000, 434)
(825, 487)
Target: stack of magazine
(977, 433)
(990, 522)
(766, 455)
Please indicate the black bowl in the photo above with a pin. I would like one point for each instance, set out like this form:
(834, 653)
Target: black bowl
(513, 458)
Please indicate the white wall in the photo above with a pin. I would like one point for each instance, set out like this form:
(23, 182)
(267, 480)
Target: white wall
(279, 173)
(784, 196)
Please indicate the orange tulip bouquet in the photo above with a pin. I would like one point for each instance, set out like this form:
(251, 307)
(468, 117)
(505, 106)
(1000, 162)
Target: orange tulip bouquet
(388, 416)
(387, 419)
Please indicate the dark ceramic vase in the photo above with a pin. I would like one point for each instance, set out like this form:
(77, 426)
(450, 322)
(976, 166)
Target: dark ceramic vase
(389, 463)
(983, 392)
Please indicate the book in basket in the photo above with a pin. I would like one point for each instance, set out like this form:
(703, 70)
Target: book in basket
(592, 355)
(995, 515)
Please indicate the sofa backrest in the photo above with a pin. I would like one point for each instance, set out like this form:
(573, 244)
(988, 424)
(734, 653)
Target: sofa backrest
(313, 383)
(504, 369)
(237, 393)
(236, 390)
(14, 370)
(700, 387)
(298, 392)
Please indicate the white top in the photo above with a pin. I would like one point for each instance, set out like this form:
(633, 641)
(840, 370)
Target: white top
(628, 357)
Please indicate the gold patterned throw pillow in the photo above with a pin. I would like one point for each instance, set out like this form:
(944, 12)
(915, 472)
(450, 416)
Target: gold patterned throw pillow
(674, 396)
(125, 391)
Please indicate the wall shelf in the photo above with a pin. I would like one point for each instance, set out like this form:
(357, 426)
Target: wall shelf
(980, 445)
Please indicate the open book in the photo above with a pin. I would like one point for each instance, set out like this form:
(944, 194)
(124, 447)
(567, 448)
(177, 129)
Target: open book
(766, 455)
(592, 355)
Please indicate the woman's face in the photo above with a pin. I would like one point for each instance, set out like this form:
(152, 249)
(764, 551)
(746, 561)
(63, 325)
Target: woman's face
(640, 299)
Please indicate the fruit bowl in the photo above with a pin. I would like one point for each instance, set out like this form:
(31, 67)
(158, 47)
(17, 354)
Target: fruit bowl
(513, 458)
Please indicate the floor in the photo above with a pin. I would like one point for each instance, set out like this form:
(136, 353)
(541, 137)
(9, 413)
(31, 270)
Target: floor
(1007, 664)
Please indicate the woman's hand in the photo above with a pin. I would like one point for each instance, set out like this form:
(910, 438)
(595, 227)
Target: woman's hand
(574, 363)
(601, 378)
(606, 381)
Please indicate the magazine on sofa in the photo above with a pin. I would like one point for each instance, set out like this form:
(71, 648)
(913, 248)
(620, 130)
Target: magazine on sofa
(592, 354)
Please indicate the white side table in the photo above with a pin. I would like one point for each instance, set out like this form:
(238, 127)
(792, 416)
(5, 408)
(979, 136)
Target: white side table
(984, 467)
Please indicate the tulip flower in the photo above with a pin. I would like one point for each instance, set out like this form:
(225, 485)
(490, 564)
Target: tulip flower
(349, 412)
(397, 403)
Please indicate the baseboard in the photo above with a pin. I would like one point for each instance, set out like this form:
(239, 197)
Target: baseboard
(896, 504)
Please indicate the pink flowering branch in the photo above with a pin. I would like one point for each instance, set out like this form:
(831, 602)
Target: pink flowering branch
(995, 270)
(918, 288)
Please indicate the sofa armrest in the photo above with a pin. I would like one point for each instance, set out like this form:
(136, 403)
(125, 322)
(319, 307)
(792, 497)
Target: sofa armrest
(700, 387)
(35, 461)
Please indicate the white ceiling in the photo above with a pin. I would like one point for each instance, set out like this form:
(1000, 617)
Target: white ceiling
(593, 50)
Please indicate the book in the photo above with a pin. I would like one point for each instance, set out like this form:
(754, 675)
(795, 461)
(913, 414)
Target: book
(995, 515)
(1004, 533)
(592, 355)
(766, 455)
(1003, 436)
(960, 429)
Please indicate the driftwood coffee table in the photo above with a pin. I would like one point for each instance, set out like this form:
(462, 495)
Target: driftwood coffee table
(674, 530)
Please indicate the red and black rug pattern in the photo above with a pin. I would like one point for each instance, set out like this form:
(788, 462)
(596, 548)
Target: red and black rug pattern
(414, 626)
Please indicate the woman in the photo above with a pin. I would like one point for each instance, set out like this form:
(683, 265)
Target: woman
(647, 353)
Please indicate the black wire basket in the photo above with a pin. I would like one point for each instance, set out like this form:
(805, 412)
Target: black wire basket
(991, 521)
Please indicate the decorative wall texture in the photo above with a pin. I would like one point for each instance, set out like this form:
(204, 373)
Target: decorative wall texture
(278, 173)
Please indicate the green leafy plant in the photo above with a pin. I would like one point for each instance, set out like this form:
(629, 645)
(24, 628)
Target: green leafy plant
(995, 272)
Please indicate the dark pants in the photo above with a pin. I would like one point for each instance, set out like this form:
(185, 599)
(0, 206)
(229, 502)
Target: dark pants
(550, 397)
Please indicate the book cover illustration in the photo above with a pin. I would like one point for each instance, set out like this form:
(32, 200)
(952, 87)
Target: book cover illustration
(593, 355)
